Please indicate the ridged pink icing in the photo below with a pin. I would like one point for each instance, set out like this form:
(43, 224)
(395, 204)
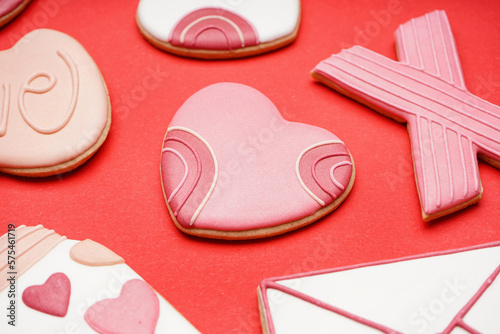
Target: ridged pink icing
(448, 125)
(213, 29)
(254, 162)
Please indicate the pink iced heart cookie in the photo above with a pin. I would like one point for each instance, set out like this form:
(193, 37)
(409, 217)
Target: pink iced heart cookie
(9, 9)
(215, 30)
(135, 311)
(54, 108)
(233, 168)
(52, 297)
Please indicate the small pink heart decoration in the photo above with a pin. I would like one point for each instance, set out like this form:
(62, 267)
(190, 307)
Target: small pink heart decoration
(135, 311)
(52, 297)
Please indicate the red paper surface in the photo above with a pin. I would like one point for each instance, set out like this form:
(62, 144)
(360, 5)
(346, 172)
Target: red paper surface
(116, 197)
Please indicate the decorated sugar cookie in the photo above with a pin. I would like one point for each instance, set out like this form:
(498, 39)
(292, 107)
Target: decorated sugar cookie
(449, 126)
(233, 168)
(54, 106)
(70, 286)
(9, 9)
(219, 29)
(447, 292)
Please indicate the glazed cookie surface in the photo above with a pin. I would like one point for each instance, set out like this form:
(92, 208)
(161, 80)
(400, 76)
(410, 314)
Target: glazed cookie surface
(233, 168)
(54, 105)
(9, 9)
(216, 30)
(70, 286)
(446, 292)
(449, 127)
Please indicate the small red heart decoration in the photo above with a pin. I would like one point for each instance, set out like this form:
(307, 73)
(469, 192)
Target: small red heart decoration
(135, 311)
(52, 297)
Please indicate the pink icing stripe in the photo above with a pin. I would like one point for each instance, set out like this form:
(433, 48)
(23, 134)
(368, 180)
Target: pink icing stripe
(198, 171)
(270, 283)
(458, 320)
(315, 177)
(186, 171)
(318, 303)
(410, 91)
(4, 112)
(337, 165)
(6, 6)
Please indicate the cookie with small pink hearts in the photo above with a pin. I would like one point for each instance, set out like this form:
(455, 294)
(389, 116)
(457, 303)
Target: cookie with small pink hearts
(233, 168)
(9, 9)
(219, 29)
(71, 286)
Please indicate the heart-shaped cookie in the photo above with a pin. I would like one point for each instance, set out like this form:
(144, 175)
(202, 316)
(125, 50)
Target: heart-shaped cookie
(52, 297)
(233, 168)
(135, 311)
(54, 110)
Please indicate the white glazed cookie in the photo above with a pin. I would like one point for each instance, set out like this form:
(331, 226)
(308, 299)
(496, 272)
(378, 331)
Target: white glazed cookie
(70, 286)
(446, 292)
(219, 29)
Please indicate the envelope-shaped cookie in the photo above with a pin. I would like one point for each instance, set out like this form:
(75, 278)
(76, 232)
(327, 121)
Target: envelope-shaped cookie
(448, 292)
(54, 106)
(53, 285)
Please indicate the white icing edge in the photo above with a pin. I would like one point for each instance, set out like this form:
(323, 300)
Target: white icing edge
(88, 285)
(297, 171)
(271, 19)
(216, 173)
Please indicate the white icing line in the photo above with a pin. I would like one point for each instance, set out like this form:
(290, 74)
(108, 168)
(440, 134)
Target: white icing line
(5, 109)
(216, 174)
(186, 171)
(238, 30)
(297, 171)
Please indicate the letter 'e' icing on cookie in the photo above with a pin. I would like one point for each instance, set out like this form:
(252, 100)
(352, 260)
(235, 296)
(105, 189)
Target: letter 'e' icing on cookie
(449, 126)
(233, 168)
(54, 105)
(218, 29)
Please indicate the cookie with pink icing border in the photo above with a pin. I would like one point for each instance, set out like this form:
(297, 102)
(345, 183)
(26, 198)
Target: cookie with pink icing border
(446, 292)
(71, 286)
(219, 29)
(54, 105)
(9, 9)
(449, 126)
(233, 168)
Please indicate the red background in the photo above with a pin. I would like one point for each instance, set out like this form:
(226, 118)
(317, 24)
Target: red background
(116, 198)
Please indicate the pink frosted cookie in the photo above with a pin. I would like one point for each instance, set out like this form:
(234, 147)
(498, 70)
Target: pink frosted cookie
(449, 126)
(233, 168)
(216, 30)
(9, 9)
(453, 292)
(70, 286)
(54, 106)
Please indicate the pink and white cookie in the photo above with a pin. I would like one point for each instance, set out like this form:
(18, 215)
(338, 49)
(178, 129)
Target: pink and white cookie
(9, 9)
(233, 168)
(70, 286)
(449, 126)
(219, 29)
(54, 106)
(452, 292)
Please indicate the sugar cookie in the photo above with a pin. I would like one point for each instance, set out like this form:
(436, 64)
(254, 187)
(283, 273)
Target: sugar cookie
(220, 29)
(9, 9)
(233, 168)
(449, 126)
(54, 105)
